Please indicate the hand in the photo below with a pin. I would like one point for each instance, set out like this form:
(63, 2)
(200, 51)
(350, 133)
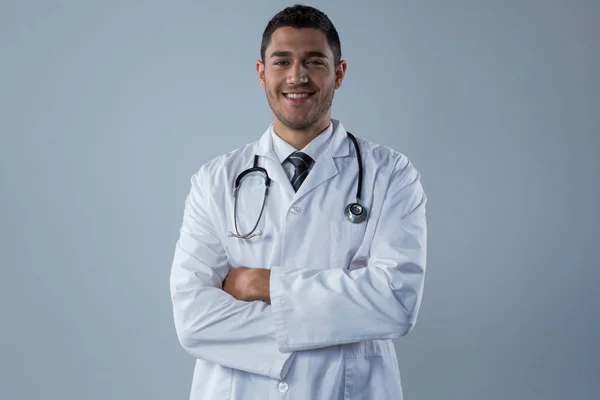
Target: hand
(237, 284)
(248, 284)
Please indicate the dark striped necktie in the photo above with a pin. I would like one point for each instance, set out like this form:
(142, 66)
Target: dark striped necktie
(302, 163)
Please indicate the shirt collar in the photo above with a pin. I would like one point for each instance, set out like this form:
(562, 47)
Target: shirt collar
(314, 149)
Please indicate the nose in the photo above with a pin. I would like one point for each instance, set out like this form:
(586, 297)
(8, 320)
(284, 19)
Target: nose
(297, 74)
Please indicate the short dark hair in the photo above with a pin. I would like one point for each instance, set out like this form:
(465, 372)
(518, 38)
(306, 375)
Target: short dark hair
(301, 16)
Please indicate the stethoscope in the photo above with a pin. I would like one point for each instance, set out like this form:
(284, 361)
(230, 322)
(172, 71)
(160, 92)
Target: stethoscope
(354, 212)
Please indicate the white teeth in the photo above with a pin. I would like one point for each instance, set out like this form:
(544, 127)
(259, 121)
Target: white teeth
(296, 95)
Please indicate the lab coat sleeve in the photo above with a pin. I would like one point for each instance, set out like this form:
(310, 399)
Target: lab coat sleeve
(210, 323)
(378, 301)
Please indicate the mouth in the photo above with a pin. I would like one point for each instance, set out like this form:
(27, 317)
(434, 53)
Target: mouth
(298, 97)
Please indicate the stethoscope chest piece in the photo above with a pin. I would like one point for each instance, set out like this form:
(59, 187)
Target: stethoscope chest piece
(355, 213)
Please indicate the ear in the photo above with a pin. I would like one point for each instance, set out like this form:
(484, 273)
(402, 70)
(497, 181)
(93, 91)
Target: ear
(260, 71)
(340, 73)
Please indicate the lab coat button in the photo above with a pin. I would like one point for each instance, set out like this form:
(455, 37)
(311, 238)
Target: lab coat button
(296, 210)
(283, 387)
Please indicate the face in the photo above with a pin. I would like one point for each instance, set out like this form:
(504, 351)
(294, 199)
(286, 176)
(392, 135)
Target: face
(299, 77)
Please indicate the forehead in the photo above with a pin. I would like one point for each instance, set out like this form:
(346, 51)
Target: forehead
(298, 40)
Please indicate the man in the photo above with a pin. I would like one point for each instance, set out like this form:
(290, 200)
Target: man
(294, 295)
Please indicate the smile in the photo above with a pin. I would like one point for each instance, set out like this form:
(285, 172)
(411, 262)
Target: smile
(297, 95)
(298, 98)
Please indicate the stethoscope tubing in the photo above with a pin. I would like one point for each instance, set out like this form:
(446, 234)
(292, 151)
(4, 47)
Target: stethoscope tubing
(354, 212)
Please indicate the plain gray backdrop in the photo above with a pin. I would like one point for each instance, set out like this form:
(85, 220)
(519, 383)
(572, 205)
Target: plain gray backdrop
(108, 107)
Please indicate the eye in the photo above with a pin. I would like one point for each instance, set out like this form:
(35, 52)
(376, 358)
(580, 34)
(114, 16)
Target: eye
(316, 62)
(281, 62)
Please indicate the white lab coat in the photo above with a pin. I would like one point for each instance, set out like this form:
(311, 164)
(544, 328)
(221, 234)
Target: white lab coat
(339, 291)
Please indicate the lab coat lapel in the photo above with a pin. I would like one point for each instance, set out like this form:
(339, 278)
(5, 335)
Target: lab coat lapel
(270, 162)
(325, 167)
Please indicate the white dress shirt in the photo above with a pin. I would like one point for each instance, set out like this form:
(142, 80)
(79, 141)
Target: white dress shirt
(314, 149)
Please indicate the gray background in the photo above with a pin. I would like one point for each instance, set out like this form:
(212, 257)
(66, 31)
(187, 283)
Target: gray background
(108, 108)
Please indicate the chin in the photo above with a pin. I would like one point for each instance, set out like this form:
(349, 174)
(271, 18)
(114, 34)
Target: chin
(298, 125)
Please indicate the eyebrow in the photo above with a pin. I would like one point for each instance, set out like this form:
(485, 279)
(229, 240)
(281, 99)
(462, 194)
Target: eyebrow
(318, 54)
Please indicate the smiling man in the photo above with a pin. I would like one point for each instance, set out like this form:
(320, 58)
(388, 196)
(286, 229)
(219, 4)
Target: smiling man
(303, 73)
(301, 255)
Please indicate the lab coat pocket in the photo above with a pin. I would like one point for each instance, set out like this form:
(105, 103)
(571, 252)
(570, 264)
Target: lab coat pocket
(372, 376)
(345, 241)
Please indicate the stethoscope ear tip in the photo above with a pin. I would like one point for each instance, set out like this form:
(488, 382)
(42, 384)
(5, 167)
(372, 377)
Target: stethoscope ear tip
(229, 233)
(258, 232)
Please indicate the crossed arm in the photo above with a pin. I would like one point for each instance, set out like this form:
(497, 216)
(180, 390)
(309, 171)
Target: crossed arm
(217, 318)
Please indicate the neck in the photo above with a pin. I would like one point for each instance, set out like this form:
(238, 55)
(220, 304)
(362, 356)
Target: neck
(299, 138)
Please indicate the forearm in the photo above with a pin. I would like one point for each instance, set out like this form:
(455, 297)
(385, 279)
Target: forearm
(345, 306)
(214, 326)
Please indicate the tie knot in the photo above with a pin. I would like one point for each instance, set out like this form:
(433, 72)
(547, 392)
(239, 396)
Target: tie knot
(302, 163)
(300, 160)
